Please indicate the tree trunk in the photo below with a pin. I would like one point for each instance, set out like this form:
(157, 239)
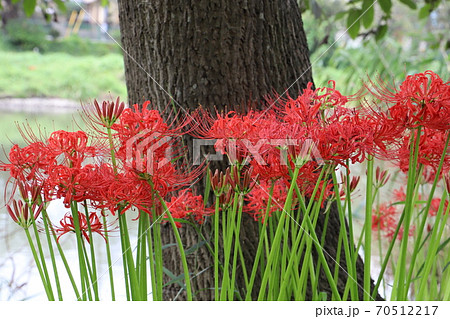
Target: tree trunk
(223, 54)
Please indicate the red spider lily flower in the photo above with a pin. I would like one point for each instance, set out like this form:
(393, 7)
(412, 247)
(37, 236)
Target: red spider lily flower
(385, 218)
(67, 225)
(106, 114)
(384, 133)
(122, 192)
(243, 137)
(306, 108)
(188, 206)
(73, 146)
(423, 99)
(69, 183)
(29, 162)
(143, 122)
(308, 178)
(434, 207)
(258, 199)
(399, 194)
(23, 213)
(431, 148)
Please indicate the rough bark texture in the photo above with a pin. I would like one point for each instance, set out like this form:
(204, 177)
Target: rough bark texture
(215, 53)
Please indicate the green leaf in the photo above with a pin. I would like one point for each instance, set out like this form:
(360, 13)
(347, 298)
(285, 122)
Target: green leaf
(175, 279)
(441, 246)
(105, 3)
(340, 15)
(425, 11)
(61, 5)
(368, 12)
(207, 187)
(386, 6)
(29, 6)
(381, 32)
(353, 23)
(192, 249)
(409, 3)
(168, 246)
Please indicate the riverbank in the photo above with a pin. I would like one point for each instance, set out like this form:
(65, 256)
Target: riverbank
(39, 105)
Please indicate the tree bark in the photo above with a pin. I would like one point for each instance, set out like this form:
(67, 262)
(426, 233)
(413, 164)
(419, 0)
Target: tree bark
(218, 54)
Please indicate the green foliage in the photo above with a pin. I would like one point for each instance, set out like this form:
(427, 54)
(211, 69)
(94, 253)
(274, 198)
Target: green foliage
(23, 34)
(386, 6)
(386, 58)
(30, 74)
(360, 14)
(353, 22)
(77, 46)
(29, 6)
(368, 13)
(26, 35)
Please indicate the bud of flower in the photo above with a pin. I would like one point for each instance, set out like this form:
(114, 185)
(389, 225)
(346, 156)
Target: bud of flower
(381, 177)
(20, 212)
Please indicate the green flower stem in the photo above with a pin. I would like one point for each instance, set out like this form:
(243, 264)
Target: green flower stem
(216, 249)
(278, 233)
(353, 252)
(322, 243)
(46, 221)
(151, 261)
(111, 147)
(387, 257)
(236, 247)
(435, 240)
(124, 257)
(262, 239)
(419, 231)
(94, 280)
(158, 258)
(66, 264)
(368, 228)
(446, 281)
(90, 284)
(108, 258)
(294, 260)
(181, 249)
(348, 247)
(81, 257)
(311, 210)
(39, 267)
(42, 256)
(399, 293)
(122, 225)
(244, 268)
(323, 260)
(228, 240)
(141, 258)
(127, 252)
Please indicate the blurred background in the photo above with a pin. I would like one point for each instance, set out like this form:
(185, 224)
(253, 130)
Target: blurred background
(63, 56)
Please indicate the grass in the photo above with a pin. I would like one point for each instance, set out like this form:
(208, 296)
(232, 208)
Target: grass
(31, 74)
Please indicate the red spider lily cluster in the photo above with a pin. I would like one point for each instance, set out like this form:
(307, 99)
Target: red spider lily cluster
(122, 164)
(131, 159)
